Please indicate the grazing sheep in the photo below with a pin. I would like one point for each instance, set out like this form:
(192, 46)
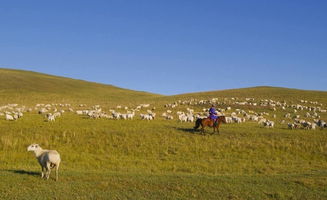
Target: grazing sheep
(20, 114)
(237, 119)
(306, 125)
(15, 116)
(190, 117)
(312, 126)
(293, 125)
(115, 115)
(182, 118)
(253, 117)
(321, 123)
(43, 110)
(268, 124)
(123, 116)
(79, 112)
(164, 115)
(229, 120)
(130, 115)
(50, 117)
(307, 115)
(9, 117)
(288, 115)
(147, 116)
(48, 159)
(57, 114)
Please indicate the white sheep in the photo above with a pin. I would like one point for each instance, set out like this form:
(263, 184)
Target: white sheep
(9, 117)
(130, 115)
(79, 112)
(294, 125)
(164, 115)
(48, 159)
(50, 117)
(268, 124)
(190, 117)
(182, 118)
(229, 120)
(237, 119)
(147, 116)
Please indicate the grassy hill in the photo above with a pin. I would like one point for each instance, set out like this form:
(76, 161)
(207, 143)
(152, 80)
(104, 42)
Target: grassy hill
(20, 86)
(159, 159)
(17, 86)
(261, 92)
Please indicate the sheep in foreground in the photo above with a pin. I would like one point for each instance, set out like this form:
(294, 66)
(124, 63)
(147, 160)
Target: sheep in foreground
(48, 159)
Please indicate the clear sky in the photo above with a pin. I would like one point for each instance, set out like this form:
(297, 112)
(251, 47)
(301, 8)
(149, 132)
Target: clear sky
(170, 46)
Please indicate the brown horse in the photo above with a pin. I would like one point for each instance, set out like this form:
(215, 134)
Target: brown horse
(209, 122)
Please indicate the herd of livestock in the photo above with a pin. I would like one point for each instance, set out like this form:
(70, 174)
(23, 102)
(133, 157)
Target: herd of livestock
(303, 114)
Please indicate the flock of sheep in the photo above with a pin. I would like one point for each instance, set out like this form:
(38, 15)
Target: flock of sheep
(184, 111)
(265, 119)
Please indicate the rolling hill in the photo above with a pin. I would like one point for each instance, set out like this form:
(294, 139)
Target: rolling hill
(18, 86)
(31, 87)
(262, 92)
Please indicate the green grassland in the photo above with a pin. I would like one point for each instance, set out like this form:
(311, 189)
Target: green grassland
(160, 159)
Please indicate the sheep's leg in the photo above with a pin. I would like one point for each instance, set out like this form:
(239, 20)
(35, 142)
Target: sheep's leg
(48, 168)
(57, 172)
(42, 172)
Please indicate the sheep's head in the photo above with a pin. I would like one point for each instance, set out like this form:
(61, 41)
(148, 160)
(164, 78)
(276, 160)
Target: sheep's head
(33, 147)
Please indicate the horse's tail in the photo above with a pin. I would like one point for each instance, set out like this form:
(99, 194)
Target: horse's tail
(197, 123)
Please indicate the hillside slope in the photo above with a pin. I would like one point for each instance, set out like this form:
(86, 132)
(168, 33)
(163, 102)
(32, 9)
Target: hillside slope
(260, 92)
(17, 86)
(26, 87)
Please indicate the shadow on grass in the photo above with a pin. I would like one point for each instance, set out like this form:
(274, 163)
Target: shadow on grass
(190, 130)
(197, 131)
(24, 172)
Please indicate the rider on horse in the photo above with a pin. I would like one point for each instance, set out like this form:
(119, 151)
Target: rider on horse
(212, 114)
(213, 121)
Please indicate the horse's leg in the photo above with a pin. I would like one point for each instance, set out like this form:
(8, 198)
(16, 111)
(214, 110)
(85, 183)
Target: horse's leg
(218, 127)
(214, 127)
(202, 129)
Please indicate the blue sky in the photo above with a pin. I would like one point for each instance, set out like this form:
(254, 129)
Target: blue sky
(170, 46)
